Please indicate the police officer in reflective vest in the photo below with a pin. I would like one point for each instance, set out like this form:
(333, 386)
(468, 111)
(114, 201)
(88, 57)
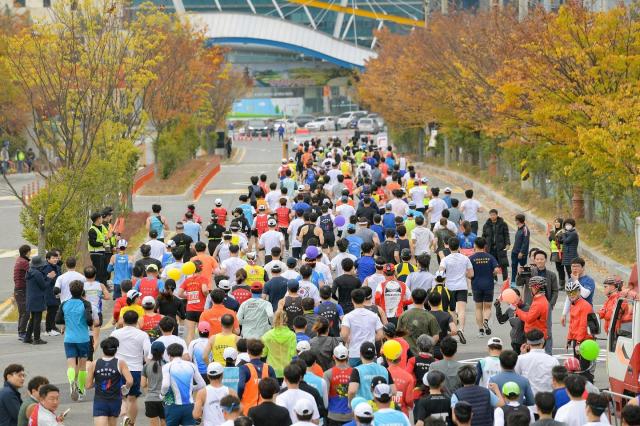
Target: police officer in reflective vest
(97, 244)
(110, 239)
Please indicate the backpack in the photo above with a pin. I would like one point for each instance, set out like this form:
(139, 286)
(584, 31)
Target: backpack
(326, 224)
(593, 324)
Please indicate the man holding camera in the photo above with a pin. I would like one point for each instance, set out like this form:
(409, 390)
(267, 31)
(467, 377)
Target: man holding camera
(539, 269)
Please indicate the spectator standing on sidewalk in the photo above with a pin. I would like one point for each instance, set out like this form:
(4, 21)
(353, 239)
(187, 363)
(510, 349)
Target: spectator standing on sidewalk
(52, 271)
(569, 240)
(496, 232)
(36, 299)
(20, 288)
(520, 247)
(10, 399)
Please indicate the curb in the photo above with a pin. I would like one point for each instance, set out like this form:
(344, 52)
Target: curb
(540, 224)
(203, 180)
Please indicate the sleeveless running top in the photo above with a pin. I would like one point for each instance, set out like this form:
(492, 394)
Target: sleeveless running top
(155, 224)
(222, 342)
(293, 308)
(310, 228)
(107, 379)
(212, 414)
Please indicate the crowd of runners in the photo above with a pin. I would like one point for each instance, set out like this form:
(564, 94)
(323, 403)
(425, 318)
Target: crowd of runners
(332, 293)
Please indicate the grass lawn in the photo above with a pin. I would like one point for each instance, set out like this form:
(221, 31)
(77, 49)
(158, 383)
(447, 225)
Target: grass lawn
(179, 181)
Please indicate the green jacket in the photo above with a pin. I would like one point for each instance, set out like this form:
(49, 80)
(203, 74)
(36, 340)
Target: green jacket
(279, 348)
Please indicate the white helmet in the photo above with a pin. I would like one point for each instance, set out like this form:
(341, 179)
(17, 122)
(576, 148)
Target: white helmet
(218, 202)
(572, 286)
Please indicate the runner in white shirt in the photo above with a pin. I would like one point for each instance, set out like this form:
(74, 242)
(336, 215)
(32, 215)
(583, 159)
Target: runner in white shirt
(436, 206)
(398, 206)
(458, 268)
(470, 209)
(336, 262)
(419, 193)
(157, 247)
(346, 211)
(308, 289)
(291, 397)
(63, 281)
(423, 241)
(294, 227)
(207, 403)
(271, 238)
(574, 412)
(230, 266)
(359, 326)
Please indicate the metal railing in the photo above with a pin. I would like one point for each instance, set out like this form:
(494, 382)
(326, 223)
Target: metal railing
(614, 416)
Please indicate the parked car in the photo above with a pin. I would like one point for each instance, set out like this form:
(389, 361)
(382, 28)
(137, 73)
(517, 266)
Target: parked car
(301, 120)
(289, 124)
(322, 124)
(346, 118)
(257, 128)
(368, 125)
(356, 117)
(378, 119)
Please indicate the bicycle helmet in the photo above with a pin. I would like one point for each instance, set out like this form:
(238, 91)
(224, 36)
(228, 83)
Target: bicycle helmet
(572, 286)
(537, 282)
(614, 281)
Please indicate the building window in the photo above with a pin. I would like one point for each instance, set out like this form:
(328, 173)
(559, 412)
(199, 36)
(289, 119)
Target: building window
(46, 3)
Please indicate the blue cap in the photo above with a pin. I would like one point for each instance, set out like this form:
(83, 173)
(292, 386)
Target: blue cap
(157, 347)
(293, 285)
(351, 226)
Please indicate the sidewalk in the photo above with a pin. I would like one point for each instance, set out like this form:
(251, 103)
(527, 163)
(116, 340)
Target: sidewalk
(509, 208)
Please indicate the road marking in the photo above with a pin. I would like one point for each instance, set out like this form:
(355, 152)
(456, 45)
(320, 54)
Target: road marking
(4, 254)
(8, 198)
(224, 191)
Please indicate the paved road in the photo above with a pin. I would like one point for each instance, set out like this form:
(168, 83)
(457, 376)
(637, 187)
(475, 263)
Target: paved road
(253, 158)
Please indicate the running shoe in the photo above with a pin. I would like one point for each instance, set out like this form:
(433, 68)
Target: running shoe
(463, 340)
(54, 333)
(481, 333)
(74, 391)
(80, 396)
(487, 330)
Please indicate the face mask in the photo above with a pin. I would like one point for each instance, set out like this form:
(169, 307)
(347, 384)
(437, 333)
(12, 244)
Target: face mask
(568, 227)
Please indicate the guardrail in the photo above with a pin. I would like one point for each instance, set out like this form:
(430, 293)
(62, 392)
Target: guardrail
(211, 169)
(142, 176)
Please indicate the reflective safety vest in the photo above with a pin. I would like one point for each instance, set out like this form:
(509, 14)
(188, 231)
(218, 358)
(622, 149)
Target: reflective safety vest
(99, 239)
(109, 240)
(251, 396)
(255, 273)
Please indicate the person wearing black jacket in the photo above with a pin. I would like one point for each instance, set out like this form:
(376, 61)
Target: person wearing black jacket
(520, 247)
(36, 299)
(496, 232)
(10, 399)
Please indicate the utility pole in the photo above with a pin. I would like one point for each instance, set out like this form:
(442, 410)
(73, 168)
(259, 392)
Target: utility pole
(444, 7)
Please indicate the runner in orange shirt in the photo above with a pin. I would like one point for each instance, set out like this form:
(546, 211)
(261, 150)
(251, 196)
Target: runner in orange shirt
(209, 263)
(215, 313)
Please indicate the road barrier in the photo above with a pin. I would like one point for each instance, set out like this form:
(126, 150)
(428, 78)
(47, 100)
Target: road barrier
(211, 169)
(142, 176)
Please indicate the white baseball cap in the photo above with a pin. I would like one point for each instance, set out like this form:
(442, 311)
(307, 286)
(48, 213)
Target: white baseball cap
(122, 243)
(224, 285)
(303, 407)
(133, 293)
(340, 352)
(230, 353)
(303, 346)
(494, 341)
(363, 410)
(424, 180)
(243, 357)
(218, 202)
(447, 190)
(148, 301)
(214, 369)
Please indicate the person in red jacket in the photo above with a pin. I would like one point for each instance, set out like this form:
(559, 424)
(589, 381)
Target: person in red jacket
(20, 288)
(578, 330)
(220, 211)
(392, 295)
(612, 287)
(536, 316)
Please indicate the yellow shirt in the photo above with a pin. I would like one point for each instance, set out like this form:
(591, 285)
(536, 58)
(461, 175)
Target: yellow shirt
(221, 343)
(135, 308)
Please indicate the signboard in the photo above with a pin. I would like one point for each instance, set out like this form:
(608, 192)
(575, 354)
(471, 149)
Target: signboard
(382, 140)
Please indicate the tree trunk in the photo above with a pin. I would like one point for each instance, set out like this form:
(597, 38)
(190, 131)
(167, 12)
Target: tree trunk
(589, 207)
(481, 159)
(614, 217)
(544, 190)
(447, 152)
(42, 237)
(421, 137)
(577, 203)
(492, 167)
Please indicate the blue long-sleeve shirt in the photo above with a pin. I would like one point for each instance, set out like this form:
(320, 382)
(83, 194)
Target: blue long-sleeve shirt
(521, 241)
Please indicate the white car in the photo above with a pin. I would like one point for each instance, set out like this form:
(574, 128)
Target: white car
(345, 119)
(322, 124)
(378, 119)
(289, 124)
(368, 125)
